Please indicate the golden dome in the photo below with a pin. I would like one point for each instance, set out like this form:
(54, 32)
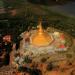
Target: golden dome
(41, 38)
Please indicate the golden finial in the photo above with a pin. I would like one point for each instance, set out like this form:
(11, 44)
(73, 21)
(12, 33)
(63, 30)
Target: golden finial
(40, 29)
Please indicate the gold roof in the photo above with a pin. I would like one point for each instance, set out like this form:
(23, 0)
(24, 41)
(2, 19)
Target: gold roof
(41, 37)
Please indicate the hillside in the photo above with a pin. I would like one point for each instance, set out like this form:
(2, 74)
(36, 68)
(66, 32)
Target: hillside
(27, 14)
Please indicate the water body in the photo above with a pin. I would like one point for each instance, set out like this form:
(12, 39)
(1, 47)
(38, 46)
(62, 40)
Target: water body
(68, 9)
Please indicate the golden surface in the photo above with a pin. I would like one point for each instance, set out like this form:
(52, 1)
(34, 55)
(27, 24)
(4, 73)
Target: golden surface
(41, 38)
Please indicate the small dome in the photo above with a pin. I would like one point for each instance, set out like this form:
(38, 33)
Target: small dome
(41, 37)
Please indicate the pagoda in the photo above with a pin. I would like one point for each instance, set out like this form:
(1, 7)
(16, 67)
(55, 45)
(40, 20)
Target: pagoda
(41, 37)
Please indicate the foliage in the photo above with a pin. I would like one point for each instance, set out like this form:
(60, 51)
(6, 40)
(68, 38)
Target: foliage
(27, 59)
(50, 66)
(24, 69)
(13, 3)
(28, 15)
(49, 2)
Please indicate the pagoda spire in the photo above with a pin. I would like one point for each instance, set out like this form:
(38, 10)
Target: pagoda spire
(40, 28)
(41, 37)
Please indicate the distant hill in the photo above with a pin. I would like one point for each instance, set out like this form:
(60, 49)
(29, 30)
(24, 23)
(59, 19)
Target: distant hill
(49, 2)
(1, 4)
(2, 10)
(27, 15)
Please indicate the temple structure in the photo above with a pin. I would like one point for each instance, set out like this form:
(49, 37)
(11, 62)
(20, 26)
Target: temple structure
(41, 37)
(40, 41)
